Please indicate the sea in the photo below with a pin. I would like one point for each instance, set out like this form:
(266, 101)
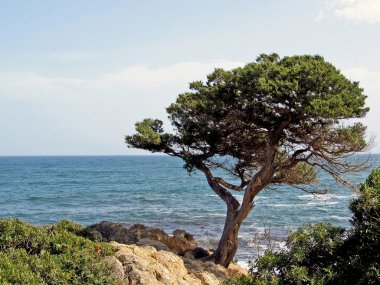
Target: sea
(157, 191)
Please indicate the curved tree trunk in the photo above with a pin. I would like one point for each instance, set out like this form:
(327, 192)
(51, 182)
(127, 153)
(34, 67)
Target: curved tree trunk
(236, 213)
(228, 243)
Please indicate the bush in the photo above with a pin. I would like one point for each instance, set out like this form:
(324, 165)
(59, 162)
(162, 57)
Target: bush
(325, 254)
(57, 254)
(363, 245)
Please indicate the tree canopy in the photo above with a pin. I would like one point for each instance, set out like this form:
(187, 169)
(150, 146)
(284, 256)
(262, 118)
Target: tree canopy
(295, 104)
(273, 121)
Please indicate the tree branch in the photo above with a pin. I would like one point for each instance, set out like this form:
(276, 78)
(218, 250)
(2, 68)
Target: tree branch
(224, 183)
(222, 192)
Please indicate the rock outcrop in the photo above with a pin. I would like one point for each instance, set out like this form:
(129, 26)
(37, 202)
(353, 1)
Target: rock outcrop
(145, 265)
(149, 256)
(179, 243)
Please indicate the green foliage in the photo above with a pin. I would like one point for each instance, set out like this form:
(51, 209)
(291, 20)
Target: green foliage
(313, 246)
(241, 280)
(324, 254)
(149, 131)
(149, 136)
(309, 259)
(363, 246)
(57, 254)
(302, 173)
(366, 208)
(292, 104)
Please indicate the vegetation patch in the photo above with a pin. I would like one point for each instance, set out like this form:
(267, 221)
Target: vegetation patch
(56, 254)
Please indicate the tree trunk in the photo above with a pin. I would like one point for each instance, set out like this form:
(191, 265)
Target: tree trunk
(236, 214)
(228, 243)
(227, 246)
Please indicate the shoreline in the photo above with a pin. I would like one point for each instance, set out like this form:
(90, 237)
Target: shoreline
(65, 252)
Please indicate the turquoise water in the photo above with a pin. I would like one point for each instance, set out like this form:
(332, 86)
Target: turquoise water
(156, 191)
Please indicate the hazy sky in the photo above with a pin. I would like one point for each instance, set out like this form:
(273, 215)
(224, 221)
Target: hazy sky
(76, 75)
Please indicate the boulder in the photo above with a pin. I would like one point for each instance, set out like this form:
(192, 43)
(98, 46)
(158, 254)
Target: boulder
(200, 252)
(156, 244)
(109, 231)
(144, 265)
(183, 234)
(179, 243)
(210, 273)
(117, 266)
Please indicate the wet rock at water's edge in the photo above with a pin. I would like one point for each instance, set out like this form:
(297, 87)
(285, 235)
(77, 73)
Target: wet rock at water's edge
(179, 243)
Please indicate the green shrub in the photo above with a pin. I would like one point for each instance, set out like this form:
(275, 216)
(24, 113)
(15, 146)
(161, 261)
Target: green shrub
(362, 248)
(57, 254)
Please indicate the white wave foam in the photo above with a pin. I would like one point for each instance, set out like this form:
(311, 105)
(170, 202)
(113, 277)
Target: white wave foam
(339, 218)
(321, 203)
(282, 205)
(261, 198)
(243, 264)
(325, 197)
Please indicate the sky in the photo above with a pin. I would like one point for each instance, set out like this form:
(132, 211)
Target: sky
(75, 76)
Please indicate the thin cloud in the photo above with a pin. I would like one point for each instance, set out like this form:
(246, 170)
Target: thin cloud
(89, 116)
(34, 86)
(179, 72)
(356, 11)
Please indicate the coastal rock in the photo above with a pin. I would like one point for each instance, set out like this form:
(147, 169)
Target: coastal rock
(145, 265)
(109, 231)
(183, 234)
(211, 273)
(139, 231)
(179, 243)
(156, 244)
(200, 252)
(117, 266)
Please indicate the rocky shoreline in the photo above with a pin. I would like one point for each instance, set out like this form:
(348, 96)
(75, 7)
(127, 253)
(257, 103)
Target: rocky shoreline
(180, 242)
(147, 255)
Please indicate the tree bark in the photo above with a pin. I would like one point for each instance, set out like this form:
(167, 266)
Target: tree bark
(228, 243)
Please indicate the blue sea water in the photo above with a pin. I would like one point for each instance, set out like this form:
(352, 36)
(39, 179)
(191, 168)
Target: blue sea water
(156, 191)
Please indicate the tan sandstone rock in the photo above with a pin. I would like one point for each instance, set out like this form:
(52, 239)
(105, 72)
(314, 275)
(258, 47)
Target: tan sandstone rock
(117, 266)
(144, 265)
